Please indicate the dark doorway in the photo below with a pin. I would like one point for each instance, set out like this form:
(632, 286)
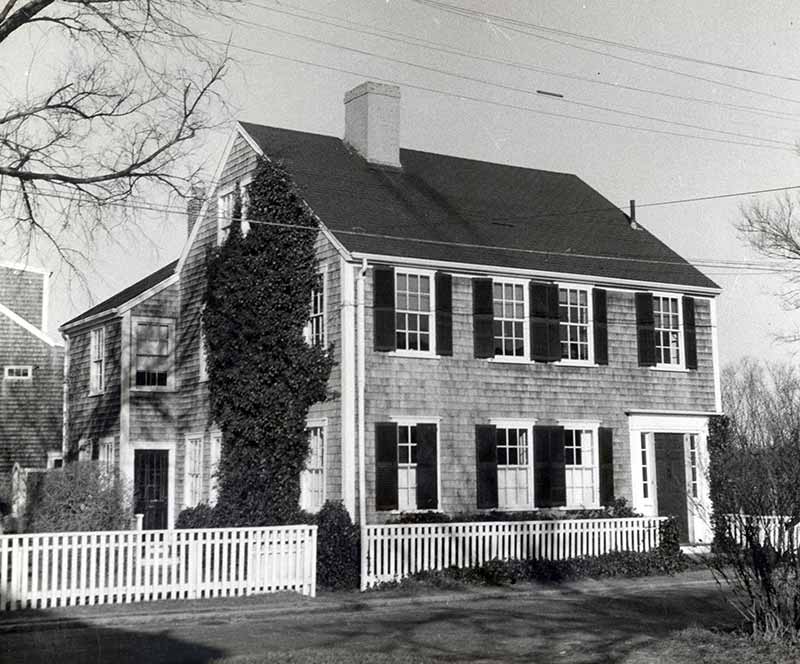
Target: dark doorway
(150, 492)
(671, 480)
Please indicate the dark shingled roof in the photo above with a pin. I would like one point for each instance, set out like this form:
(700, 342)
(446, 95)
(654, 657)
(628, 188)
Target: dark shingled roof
(128, 293)
(465, 211)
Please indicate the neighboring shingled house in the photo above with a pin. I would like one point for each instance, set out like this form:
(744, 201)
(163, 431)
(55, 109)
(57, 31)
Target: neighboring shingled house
(525, 344)
(31, 373)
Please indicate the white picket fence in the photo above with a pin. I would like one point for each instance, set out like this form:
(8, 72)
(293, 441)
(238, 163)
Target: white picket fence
(393, 552)
(40, 571)
(779, 531)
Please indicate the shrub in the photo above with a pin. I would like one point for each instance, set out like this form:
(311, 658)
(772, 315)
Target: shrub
(338, 552)
(202, 516)
(78, 497)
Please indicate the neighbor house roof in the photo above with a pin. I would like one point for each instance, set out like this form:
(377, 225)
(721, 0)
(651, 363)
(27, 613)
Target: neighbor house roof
(444, 208)
(127, 294)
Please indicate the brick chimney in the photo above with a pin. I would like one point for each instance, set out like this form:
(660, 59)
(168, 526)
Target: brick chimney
(193, 207)
(372, 122)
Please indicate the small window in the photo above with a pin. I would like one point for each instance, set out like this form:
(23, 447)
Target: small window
(573, 307)
(667, 320)
(98, 361)
(413, 311)
(85, 450)
(693, 465)
(512, 467)
(215, 455)
(316, 330)
(312, 479)
(510, 320)
(194, 464)
(645, 467)
(153, 347)
(225, 205)
(18, 372)
(579, 458)
(55, 459)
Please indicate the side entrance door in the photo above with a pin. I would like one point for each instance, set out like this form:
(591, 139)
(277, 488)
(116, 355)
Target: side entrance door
(671, 480)
(150, 487)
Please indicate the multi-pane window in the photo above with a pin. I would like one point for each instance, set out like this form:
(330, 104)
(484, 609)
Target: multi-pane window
(105, 455)
(215, 454)
(645, 468)
(98, 360)
(512, 467)
(693, 465)
(316, 333)
(573, 307)
(225, 205)
(152, 347)
(579, 455)
(312, 479)
(17, 372)
(194, 464)
(509, 319)
(407, 467)
(413, 311)
(668, 328)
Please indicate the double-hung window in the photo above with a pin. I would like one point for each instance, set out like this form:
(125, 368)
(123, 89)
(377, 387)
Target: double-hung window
(97, 351)
(513, 468)
(226, 202)
(574, 313)
(580, 466)
(312, 479)
(153, 344)
(193, 467)
(105, 455)
(406, 472)
(667, 322)
(215, 453)
(510, 319)
(316, 330)
(414, 311)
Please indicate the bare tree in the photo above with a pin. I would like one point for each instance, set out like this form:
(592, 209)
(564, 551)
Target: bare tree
(84, 150)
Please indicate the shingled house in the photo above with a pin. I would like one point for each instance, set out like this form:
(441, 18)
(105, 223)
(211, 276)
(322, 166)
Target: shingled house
(525, 343)
(31, 373)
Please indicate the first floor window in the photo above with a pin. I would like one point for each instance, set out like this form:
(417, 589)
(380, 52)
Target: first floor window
(312, 479)
(98, 357)
(215, 455)
(645, 468)
(105, 455)
(406, 466)
(509, 319)
(413, 311)
(193, 461)
(573, 308)
(579, 451)
(153, 347)
(512, 467)
(666, 318)
(693, 465)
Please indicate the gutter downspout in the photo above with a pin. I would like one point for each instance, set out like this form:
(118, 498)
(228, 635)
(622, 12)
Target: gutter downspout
(360, 380)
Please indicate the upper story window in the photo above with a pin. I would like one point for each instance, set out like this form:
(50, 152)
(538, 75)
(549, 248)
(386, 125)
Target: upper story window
(316, 330)
(225, 204)
(510, 319)
(97, 378)
(573, 306)
(18, 372)
(202, 356)
(667, 322)
(413, 311)
(153, 342)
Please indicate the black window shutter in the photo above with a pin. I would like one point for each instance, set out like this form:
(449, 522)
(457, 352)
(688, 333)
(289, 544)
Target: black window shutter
(427, 494)
(549, 468)
(600, 312)
(386, 466)
(483, 317)
(545, 323)
(606, 455)
(645, 330)
(444, 313)
(486, 458)
(689, 333)
(383, 308)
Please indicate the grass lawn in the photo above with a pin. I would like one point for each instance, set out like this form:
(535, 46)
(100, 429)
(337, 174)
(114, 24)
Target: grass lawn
(701, 645)
(323, 656)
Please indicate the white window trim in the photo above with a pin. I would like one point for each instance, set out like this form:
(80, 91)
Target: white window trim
(321, 423)
(170, 386)
(192, 436)
(405, 420)
(512, 423)
(52, 457)
(681, 366)
(169, 446)
(594, 427)
(107, 443)
(525, 358)
(431, 352)
(590, 326)
(322, 272)
(28, 367)
(93, 391)
(222, 233)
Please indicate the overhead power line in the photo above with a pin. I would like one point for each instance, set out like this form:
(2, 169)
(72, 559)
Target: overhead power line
(513, 25)
(411, 40)
(511, 88)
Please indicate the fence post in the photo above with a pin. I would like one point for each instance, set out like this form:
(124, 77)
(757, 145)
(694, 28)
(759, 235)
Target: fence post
(364, 556)
(312, 548)
(139, 521)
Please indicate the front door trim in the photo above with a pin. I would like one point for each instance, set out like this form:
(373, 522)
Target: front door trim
(170, 447)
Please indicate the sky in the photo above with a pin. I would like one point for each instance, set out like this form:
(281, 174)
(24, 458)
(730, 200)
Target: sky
(597, 130)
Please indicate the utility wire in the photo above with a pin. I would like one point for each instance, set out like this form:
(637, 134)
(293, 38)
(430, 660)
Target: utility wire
(511, 24)
(511, 88)
(399, 37)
